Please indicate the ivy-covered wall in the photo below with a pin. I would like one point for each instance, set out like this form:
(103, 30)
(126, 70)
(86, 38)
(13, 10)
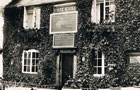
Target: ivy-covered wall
(17, 39)
(114, 39)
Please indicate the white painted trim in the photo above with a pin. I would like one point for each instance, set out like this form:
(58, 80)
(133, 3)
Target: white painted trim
(103, 64)
(71, 46)
(65, 4)
(58, 70)
(104, 9)
(98, 75)
(74, 65)
(31, 50)
(25, 18)
(76, 12)
(1, 65)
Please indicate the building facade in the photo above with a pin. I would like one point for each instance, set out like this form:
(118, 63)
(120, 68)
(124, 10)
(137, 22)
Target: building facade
(71, 43)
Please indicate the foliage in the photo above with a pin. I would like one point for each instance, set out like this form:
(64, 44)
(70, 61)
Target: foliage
(18, 39)
(114, 39)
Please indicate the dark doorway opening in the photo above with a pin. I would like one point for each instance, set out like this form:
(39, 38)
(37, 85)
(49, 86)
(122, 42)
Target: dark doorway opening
(67, 67)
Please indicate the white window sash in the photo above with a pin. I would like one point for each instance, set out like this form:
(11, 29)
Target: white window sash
(35, 18)
(38, 11)
(103, 62)
(98, 13)
(25, 22)
(31, 58)
(93, 12)
(112, 11)
(102, 66)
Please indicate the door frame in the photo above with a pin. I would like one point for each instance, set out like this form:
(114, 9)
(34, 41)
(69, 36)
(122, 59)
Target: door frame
(59, 67)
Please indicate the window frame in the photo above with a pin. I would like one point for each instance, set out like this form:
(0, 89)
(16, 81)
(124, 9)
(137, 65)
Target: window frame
(36, 17)
(31, 59)
(132, 54)
(96, 11)
(102, 65)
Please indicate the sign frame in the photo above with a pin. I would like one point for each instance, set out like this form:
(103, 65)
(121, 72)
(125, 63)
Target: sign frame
(69, 46)
(64, 13)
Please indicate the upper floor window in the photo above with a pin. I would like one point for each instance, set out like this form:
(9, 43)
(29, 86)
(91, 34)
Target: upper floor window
(103, 11)
(98, 63)
(31, 17)
(30, 61)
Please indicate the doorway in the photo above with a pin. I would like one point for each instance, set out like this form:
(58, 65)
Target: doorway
(66, 67)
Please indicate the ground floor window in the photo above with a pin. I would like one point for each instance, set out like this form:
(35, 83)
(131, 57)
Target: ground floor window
(30, 60)
(134, 58)
(98, 63)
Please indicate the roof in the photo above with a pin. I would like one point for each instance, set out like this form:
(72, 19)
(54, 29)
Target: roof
(37, 2)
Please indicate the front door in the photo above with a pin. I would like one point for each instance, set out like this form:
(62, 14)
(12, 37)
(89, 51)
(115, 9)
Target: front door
(67, 67)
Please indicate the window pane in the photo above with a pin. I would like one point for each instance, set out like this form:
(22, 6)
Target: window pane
(33, 54)
(101, 12)
(29, 54)
(107, 3)
(28, 68)
(37, 55)
(33, 68)
(106, 17)
(95, 70)
(99, 54)
(107, 10)
(28, 61)
(25, 54)
(99, 70)
(95, 62)
(33, 62)
(24, 69)
(36, 68)
(99, 62)
(25, 61)
(37, 61)
(95, 54)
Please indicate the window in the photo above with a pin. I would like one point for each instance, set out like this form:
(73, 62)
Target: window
(31, 17)
(103, 11)
(134, 58)
(30, 61)
(98, 67)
